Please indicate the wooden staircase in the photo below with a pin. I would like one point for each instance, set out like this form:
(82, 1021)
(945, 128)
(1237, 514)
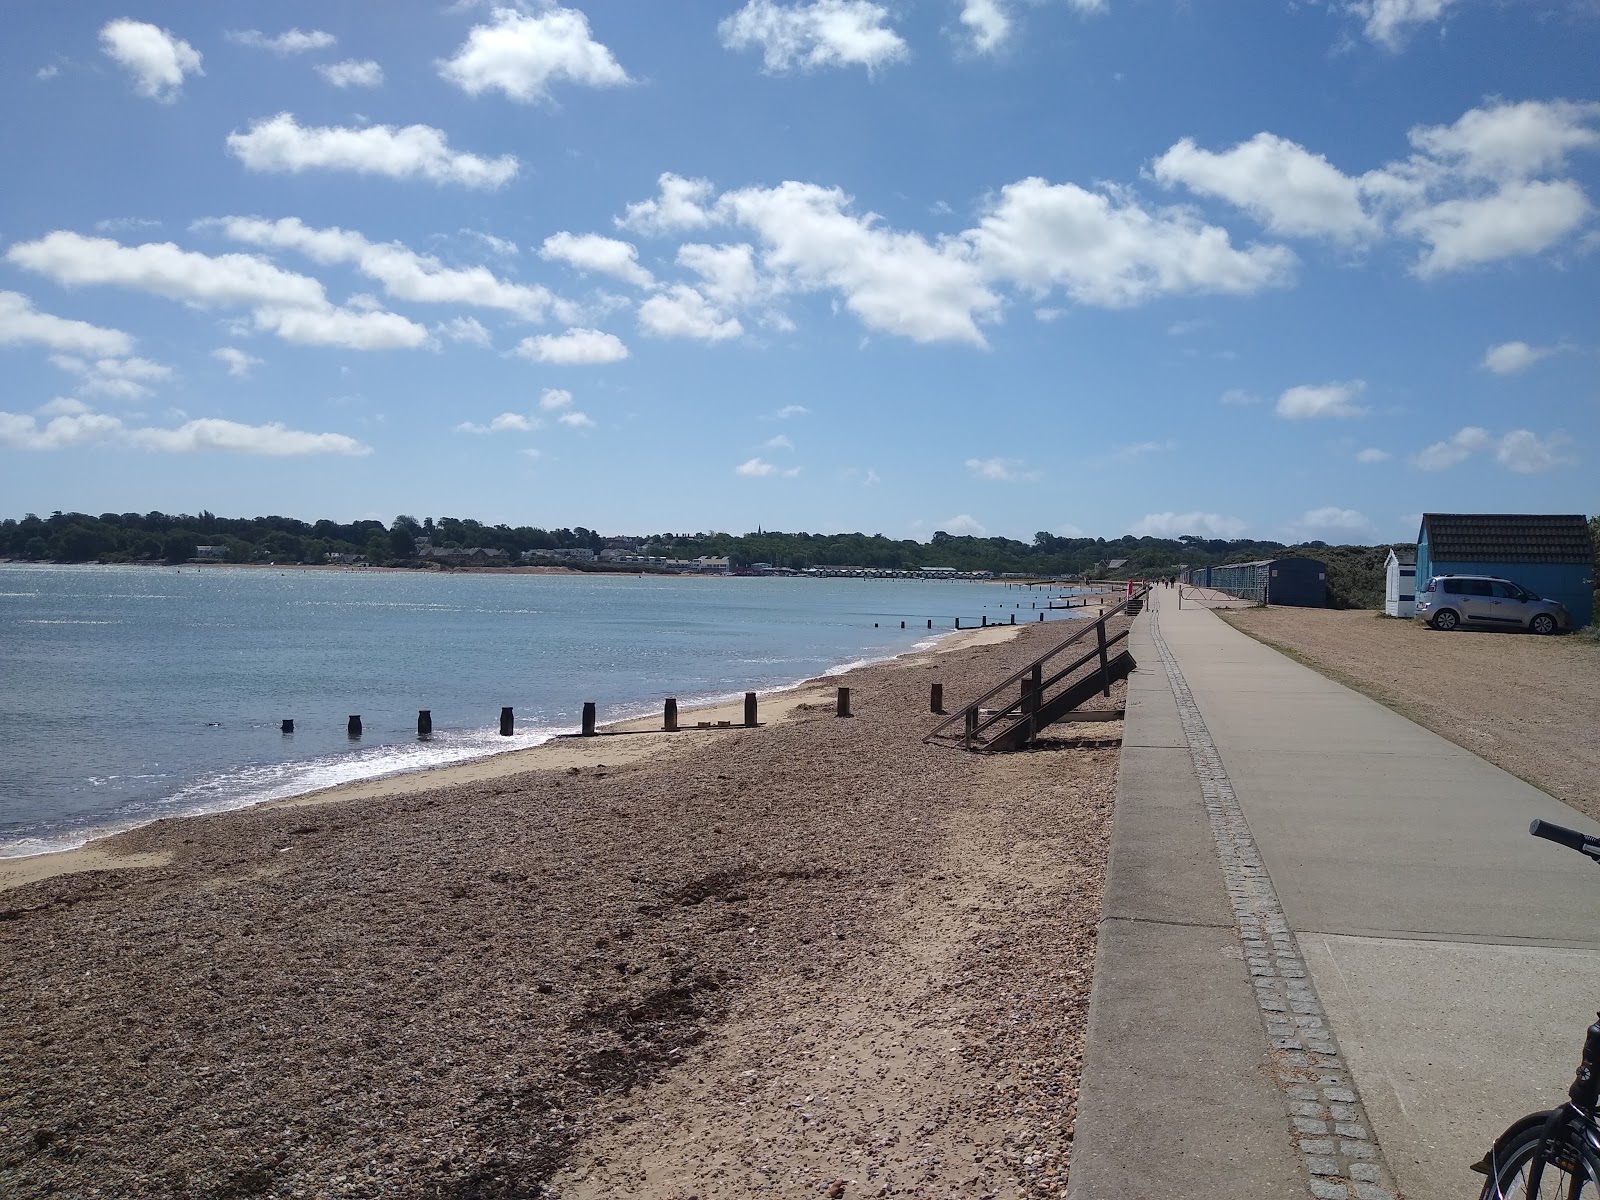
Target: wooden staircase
(977, 728)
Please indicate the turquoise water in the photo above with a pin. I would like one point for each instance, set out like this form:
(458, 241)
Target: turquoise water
(132, 693)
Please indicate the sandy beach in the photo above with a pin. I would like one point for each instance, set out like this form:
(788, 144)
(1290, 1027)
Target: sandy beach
(813, 958)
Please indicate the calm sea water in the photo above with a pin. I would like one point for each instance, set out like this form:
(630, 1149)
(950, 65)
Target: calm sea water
(131, 693)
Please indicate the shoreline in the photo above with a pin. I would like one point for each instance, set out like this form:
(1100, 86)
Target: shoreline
(626, 741)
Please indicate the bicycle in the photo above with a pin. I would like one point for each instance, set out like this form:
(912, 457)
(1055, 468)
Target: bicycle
(1561, 1144)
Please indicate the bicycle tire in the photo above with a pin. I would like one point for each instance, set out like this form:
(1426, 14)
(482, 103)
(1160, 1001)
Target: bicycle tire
(1570, 1161)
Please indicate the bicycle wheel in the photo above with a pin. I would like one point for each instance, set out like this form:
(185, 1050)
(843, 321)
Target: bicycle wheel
(1571, 1170)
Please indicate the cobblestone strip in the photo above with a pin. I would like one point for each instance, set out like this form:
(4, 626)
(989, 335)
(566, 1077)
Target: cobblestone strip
(1342, 1158)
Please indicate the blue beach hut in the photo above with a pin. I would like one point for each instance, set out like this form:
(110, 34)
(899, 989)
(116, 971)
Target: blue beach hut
(1548, 554)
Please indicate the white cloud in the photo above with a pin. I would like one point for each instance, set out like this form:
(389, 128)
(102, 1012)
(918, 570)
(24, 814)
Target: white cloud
(1519, 219)
(1332, 519)
(63, 406)
(1453, 450)
(576, 420)
(1108, 251)
(822, 33)
(504, 423)
(1201, 524)
(575, 347)
(156, 58)
(964, 525)
(46, 73)
(292, 41)
(759, 468)
(1373, 454)
(1283, 185)
(591, 252)
(369, 330)
(82, 427)
(989, 23)
(1000, 470)
(1323, 400)
(404, 273)
(1238, 396)
(522, 54)
(1068, 530)
(1510, 357)
(361, 73)
(124, 378)
(871, 478)
(465, 329)
(125, 224)
(679, 204)
(1512, 141)
(21, 323)
(680, 311)
(280, 143)
(728, 273)
(239, 363)
(792, 410)
(555, 399)
(501, 246)
(1389, 22)
(777, 443)
(1526, 453)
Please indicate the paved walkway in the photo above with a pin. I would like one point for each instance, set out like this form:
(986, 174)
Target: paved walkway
(1434, 963)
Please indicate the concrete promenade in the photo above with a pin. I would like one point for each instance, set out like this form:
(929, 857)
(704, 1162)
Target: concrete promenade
(1455, 958)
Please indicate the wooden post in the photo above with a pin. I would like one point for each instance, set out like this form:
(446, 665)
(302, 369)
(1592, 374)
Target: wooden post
(930, 622)
(669, 715)
(843, 707)
(1041, 616)
(1036, 685)
(424, 722)
(288, 725)
(902, 624)
(508, 722)
(588, 718)
(353, 726)
(936, 698)
(971, 730)
(749, 710)
(958, 622)
(1013, 618)
(1105, 667)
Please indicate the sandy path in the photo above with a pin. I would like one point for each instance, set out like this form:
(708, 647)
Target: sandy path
(499, 986)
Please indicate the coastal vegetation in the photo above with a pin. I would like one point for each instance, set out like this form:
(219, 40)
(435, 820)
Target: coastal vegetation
(1355, 573)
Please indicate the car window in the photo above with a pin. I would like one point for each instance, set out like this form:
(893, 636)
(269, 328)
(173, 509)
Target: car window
(1476, 587)
(1453, 586)
(1507, 591)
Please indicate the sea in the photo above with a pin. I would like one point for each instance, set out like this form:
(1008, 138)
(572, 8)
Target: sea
(131, 693)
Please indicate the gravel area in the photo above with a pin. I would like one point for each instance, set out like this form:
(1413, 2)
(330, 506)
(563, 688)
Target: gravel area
(1525, 703)
(814, 959)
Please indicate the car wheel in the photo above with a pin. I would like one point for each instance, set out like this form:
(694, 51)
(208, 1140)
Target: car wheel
(1445, 620)
(1543, 623)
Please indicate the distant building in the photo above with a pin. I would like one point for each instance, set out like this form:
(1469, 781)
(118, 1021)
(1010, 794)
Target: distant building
(210, 553)
(458, 556)
(1550, 555)
(712, 563)
(1400, 583)
(1294, 582)
(562, 554)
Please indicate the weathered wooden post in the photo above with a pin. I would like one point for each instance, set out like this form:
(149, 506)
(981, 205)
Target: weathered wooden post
(930, 622)
(287, 726)
(1105, 667)
(971, 729)
(902, 624)
(842, 709)
(669, 715)
(958, 622)
(936, 698)
(1013, 618)
(508, 722)
(424, 722)
(352, 727)
(986, 621)
(588, 718)
(750, 710)
(1041, 616)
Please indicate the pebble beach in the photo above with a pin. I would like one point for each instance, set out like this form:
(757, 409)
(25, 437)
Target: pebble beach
(812, 958)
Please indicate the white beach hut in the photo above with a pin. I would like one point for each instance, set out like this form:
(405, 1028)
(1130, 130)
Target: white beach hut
(1400, 587)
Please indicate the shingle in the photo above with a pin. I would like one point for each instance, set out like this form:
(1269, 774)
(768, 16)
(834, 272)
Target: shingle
(1508, 538)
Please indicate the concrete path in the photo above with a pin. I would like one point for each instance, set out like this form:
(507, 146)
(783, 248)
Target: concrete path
(1457, 959)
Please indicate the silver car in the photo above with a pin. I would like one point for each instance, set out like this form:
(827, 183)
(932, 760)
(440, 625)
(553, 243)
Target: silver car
(1487, 601)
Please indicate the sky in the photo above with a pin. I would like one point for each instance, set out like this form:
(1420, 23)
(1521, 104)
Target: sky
(1280, 270)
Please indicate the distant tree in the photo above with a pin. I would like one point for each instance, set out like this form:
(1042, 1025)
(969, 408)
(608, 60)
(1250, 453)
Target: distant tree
(179, 546)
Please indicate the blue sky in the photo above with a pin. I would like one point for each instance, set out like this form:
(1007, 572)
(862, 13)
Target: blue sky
(1286, 270)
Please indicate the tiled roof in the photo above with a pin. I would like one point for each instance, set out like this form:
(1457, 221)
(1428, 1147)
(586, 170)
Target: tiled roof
(1406, 557)
(1508, 538)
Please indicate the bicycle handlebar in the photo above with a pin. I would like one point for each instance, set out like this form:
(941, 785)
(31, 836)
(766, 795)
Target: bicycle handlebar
(1571, 838)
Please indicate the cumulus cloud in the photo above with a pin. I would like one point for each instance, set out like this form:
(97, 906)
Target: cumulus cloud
(1455, 449)
(1000, 470)
(504, 423)
(576, 420)
(468, 330)
(1373, 454)
(575, 347)
(123, 378)
(1333, 519)
(591, 252)
(792, 410)
(1526, 453)
(988, 23)
(1388, 23)
(679, 204)
(823, 33)
(1517, 220)
(680, 311)
(282, 144)
(1510, 357)
(22, 324)
(760, 468)
(359, 73)
(1324, 400)
(404, 274)
(777, 443)
(502, 246)
(239, 363)
(292, 306)
(964, 525)
(292, 41)
(555, 399)
(157, 59)
(523, 54)
(1200, 524)
(1512, 141)
(83, 427)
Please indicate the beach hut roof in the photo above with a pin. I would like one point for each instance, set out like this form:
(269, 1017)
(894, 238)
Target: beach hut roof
(1508, 538)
